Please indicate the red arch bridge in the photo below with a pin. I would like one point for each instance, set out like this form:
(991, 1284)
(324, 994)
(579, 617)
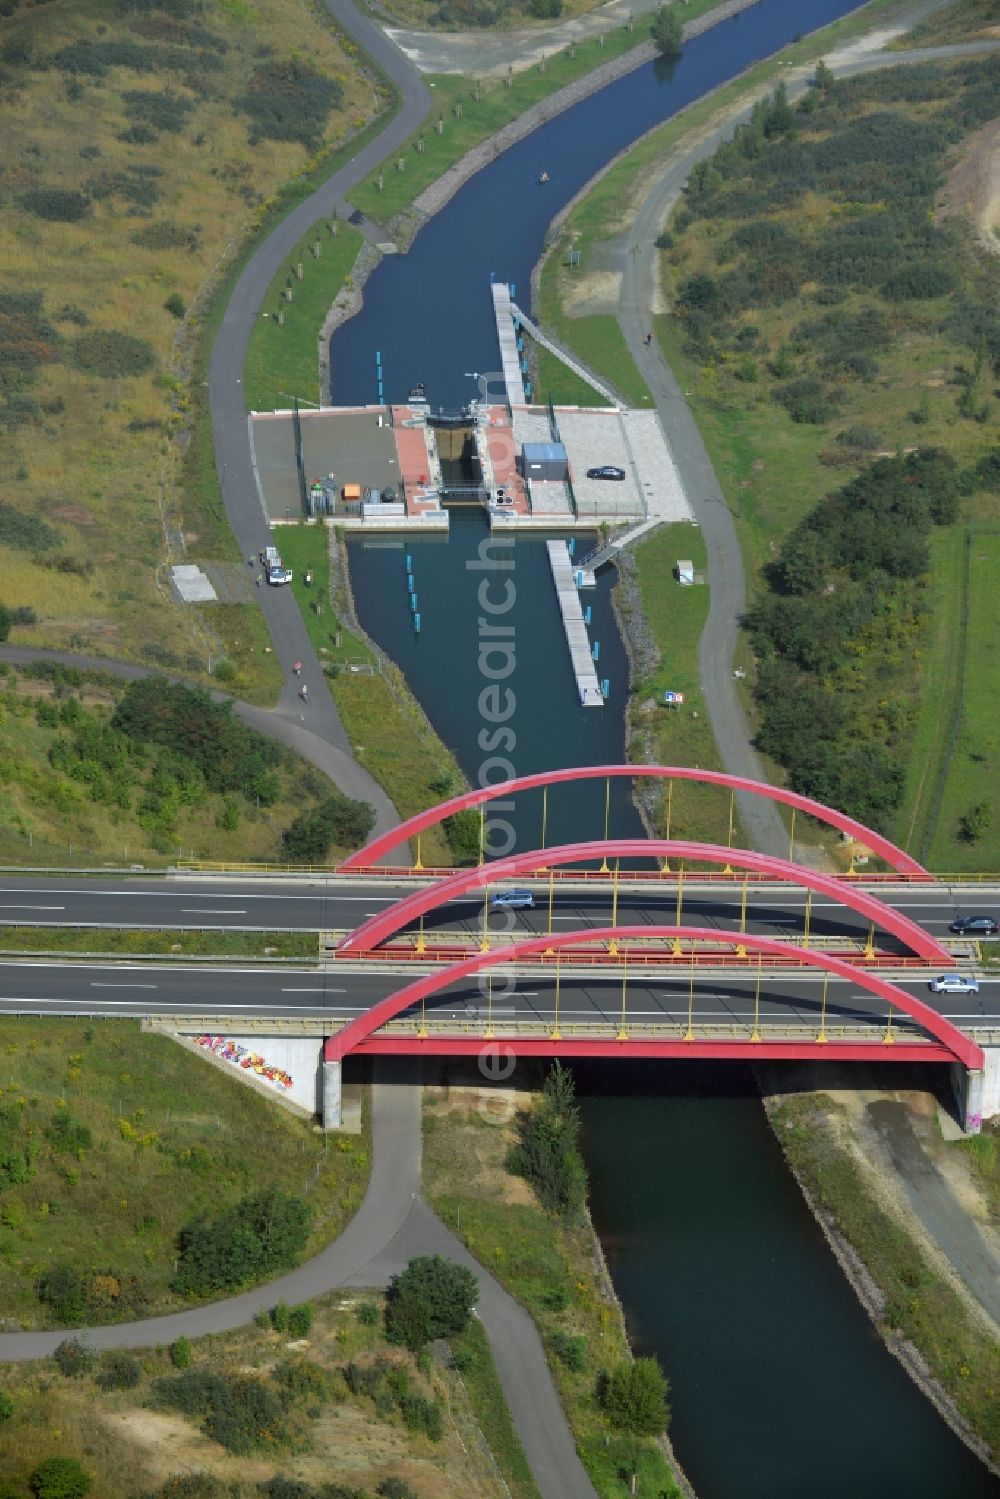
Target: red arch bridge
(659, 989)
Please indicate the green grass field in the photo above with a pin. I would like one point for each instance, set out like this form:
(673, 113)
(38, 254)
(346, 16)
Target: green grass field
(306, 548)
(220, 944)
(283, 359)
(118, 1208)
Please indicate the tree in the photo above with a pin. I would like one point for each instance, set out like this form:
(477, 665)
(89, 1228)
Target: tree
(59, 1478)
(667, 31)
(823, 76)
(338, 820)
(634, 1398)
(974, 823)
(546, 1152)
(180, 1353)
(433, 1298)
(259, 1235)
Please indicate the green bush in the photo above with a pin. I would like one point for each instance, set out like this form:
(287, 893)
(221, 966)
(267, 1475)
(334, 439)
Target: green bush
(6, 1408)
(60, 1478)
(305, 1381)
(112, 354)
(72, 1358)
(367, 1313)
(570, 1350)
(279, 1317)
(165, 236)
(18, 1151)
(433, 1298)
(245, 1415)
(63, 205)
(5, 622)
(68, 1136)
(422, 1415)
(634, 1398)
(175, 305)
(337, 819)
(163, 111)
(28, 533)
(119, 1371)
(259, 1236)
(289, 101)
(180, 1353)
(300, 1321)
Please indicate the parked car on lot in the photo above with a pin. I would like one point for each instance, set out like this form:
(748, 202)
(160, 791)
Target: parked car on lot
(954, 983)
(975, 926)
(512, 900)
(606, 471)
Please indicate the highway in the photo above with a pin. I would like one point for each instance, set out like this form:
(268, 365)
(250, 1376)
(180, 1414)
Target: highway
(338, 903)
(338, 992)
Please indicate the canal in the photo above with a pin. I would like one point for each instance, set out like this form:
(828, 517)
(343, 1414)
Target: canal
(780, 1387)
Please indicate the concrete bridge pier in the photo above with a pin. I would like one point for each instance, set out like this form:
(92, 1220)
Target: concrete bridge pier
(977, 1093)
(332, 1095)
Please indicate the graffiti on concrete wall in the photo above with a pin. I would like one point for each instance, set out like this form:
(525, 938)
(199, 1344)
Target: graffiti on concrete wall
(243, 1057)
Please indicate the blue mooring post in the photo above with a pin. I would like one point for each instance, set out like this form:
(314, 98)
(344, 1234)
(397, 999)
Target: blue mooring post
(416, 623)
(586, 615)
(606, 688)
(409, 563)
(409, 582)
(413, 602)
(571, 545)
(378, 359)
(513, 290)
(597, 650)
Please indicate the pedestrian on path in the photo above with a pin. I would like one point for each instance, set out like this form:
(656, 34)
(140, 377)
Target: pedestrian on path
(648, 339)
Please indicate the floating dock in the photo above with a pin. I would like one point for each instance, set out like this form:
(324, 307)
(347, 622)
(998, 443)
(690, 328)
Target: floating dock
(564, 577)
(510, 358)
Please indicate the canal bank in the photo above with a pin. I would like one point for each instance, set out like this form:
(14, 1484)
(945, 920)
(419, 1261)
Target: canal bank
(701, 1223)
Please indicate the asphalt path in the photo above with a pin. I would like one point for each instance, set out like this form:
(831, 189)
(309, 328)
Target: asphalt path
(338, 993)
(225, 390)
(335, 903)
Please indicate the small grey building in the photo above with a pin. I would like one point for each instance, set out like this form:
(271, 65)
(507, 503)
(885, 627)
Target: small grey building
(545, 460)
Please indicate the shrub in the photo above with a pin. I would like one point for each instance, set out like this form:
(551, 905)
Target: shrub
(59, 1478)
(6, 1408)
(165, 236)
(5, 621)
(60, 1288)
(72, 1358)
(338, 819)
(279, 1317)
(63, 205)
(112, 354)
(570, 1350)
(423, 1415)
(175, 305)
(67, 1136)
(634, 1398)
(244, 1414)
(119, 1371)
(180, 1353)
(305, 1381)
(260, 1235)
(300, 1320)
(289, 101)
(433, 1298)
(367, 1313)
(163, 111)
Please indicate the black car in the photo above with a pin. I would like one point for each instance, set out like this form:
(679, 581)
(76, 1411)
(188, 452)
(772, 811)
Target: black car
(975, 926)
(606, 471)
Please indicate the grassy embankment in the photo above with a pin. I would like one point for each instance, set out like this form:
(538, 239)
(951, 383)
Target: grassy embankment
(282, 359)
(545, 1265)
(169, 1139)
(102, 805)
(773, 469)
(919, 1305)
(133, 1442)
(130, 130)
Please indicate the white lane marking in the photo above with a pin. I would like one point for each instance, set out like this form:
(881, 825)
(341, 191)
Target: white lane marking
(211, 911)
(314, 991)
(8, 907)
(158, 893)
(124, 986)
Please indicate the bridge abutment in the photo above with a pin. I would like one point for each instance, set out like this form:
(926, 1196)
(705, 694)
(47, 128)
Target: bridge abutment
(333, 1099)
(977, 1093)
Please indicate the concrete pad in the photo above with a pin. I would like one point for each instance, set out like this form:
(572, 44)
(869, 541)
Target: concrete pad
(192, 584)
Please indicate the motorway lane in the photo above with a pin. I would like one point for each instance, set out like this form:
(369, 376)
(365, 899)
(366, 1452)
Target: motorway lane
(128, 989)
(340, 905)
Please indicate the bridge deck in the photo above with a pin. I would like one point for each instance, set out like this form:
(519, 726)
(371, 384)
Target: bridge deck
(588, 687)
(510, 359)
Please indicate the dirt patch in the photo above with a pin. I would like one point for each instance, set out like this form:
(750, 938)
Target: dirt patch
(76, 515)
(170, 1445)
(595, 292)
(972, 187)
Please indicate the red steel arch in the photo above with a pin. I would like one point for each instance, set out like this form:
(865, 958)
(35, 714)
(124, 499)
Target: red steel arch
(950, 1037)
(896, 858)
(377, 928)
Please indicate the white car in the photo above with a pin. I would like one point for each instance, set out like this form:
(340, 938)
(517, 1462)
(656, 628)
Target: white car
(954, 983)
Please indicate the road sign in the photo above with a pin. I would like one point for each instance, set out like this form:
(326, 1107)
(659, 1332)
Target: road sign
(673, 698)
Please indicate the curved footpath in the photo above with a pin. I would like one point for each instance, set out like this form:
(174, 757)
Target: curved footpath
(225, 390)
(392, 1225)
